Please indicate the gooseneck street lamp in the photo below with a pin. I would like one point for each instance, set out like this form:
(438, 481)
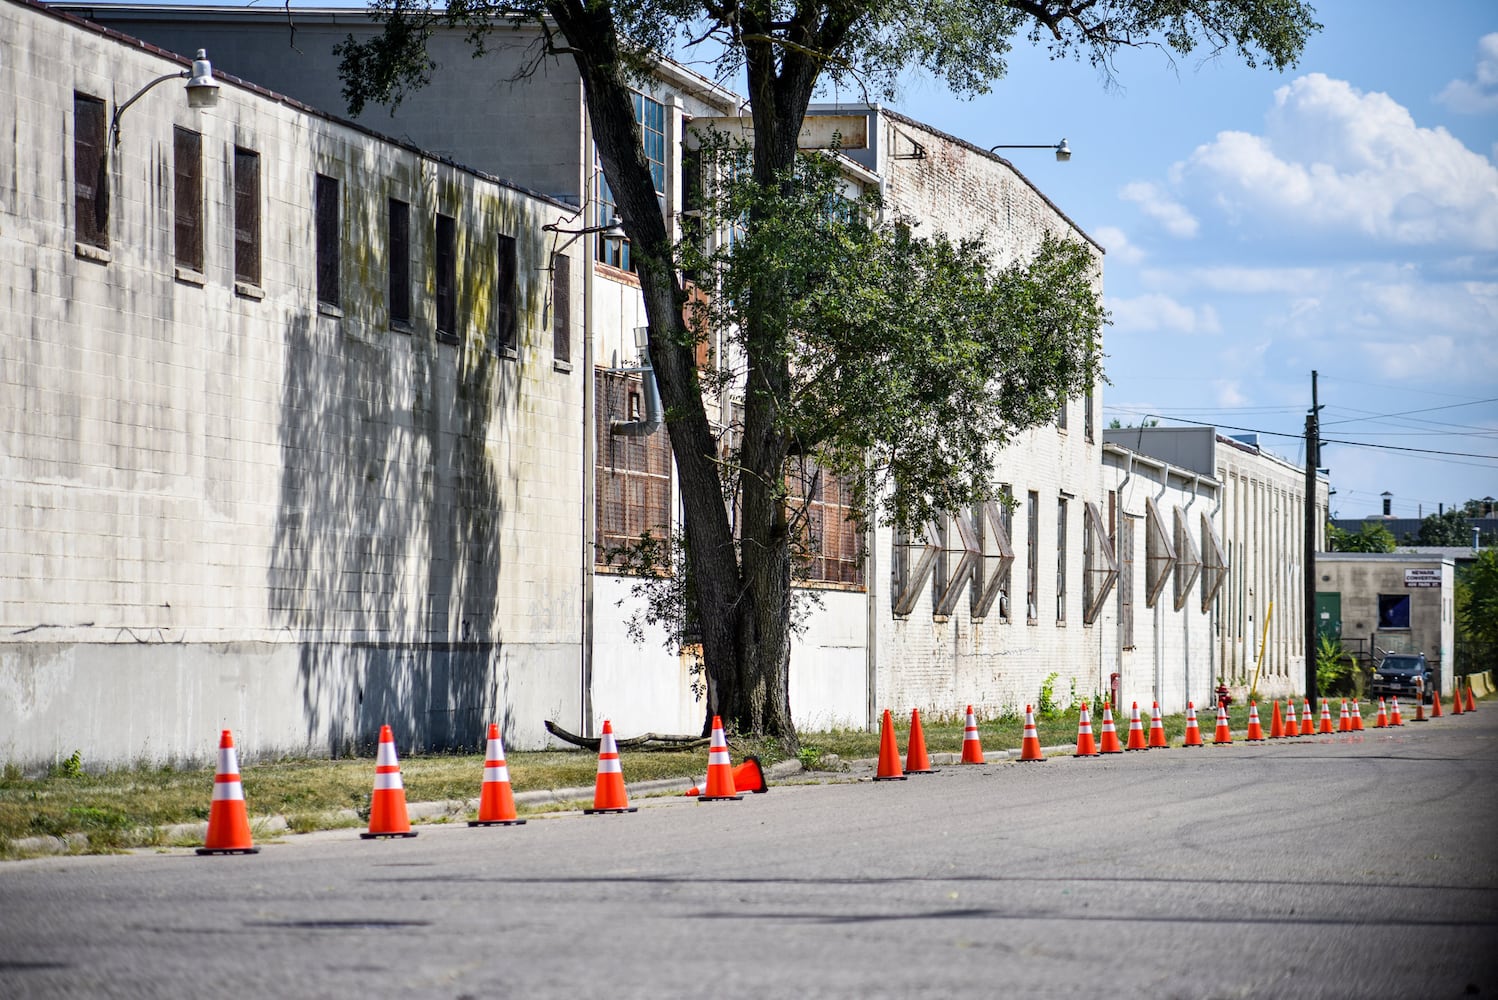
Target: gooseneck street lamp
(202, 90)
(1063, 151)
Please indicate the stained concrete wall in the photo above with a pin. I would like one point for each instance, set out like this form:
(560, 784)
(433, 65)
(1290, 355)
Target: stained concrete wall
(1361, 577)
(231, 506)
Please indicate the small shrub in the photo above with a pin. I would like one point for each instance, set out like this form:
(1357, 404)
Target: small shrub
(1046, 706)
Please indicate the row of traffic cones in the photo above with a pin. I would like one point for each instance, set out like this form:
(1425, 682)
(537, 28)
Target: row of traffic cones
(229, 824)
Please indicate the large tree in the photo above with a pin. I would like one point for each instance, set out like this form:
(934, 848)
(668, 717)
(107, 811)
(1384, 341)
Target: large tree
(784, 49)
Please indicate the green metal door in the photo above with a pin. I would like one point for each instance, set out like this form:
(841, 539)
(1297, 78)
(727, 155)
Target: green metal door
(1329, 615)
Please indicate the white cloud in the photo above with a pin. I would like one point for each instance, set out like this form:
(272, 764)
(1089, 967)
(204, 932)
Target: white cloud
(1478, 96)
(1229, 393)
(1116, 242)
(1342, 162)
(1160, 313)
(1154, 202)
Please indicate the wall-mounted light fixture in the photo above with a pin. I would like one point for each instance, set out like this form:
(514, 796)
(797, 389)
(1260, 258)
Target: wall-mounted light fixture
(613, 229)
(1063, 151)
(202, 90)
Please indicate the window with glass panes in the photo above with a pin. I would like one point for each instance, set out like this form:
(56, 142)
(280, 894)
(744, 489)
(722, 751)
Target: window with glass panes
(651, 116)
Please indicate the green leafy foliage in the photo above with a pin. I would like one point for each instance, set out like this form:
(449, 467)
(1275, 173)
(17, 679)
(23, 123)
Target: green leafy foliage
(1046, 706)
(1334, 667)
(1373, 537)
(1477, 599)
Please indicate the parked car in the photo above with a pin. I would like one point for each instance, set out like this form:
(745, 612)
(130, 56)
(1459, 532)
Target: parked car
(1401, 674)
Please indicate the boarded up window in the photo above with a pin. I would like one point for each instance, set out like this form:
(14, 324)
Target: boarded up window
(187, 200)
(90, 178)
(1032, 556)
(1159, 553)
(1100, 567)
(1214, 563)
(914, 559)
(1188, 563)
(246, 216)
(561, 307)
(829, 543)
(398, 246)
(447, 277)
(1061, 509)
(633, 473)
(506, 294)
(997, 560)
(329, 246)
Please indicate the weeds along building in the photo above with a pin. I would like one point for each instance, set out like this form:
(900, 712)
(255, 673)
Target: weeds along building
(290, 438)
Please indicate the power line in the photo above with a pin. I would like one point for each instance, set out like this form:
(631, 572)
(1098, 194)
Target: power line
(1406, 413)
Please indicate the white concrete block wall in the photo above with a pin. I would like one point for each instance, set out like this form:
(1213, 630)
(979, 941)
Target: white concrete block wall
(243, 509)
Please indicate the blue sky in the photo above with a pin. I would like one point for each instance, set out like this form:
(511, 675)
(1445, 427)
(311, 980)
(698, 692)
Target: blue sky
(1341, 216)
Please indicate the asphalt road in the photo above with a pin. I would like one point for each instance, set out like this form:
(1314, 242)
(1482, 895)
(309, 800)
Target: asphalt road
(1323, 867)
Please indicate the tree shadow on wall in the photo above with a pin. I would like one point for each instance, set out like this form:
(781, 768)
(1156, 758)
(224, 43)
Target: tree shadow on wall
(387, 541)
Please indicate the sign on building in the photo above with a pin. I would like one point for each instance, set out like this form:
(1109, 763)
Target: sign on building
(1422, 578)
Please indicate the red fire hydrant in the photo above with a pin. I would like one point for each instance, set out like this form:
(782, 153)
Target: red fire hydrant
(1224, 696)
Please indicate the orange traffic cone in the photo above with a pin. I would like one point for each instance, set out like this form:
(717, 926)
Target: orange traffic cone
(889, 752)
(1029, 748)
(1136, 731)
(1110, 735)
(1471, 701)
(228, 820)
(1224, 733)
(609, 794)
(1357, 717)
(972, 747)
(1394, 719)
(1292, 728)
(1435, 703)
(1307, 720)
(1157, 730)
(917, 761)
(720, 784)
(747, 777)
(387, 806)
(1326, 717)
(1086, 745)
(1193, 731)
(1383, 715)
(1344, 720)
(496, 798)
(1419, 709)
(1276, 724)
(1255, 730)
(1456, 700)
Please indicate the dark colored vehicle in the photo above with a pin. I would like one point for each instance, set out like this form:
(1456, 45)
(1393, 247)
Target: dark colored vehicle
(1400, 674)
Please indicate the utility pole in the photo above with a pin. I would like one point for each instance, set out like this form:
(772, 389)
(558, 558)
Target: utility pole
(1313, 459)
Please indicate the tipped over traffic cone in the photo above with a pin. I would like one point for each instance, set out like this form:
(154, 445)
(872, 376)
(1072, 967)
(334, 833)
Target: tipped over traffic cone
(1086, 745)
(1110, 735)
(496, 798)
(1357, 717)
(747, 777)
(1157, 729)
(387, 806)
(1029, 748)
(1383, 715)
(720, 784)
(609, 794)
(1394, 719)
(1292, 728)
(972, 747)
(1307, 720)
(1136, 731)
(889, 752)
(1471, 701)
(1326, 717)
(228, 820)
(1276, 724)
(917, 761)
(1224, 732)
(1255, 730)
(1193, 731)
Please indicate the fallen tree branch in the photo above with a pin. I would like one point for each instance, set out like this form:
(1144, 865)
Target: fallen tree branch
(646, 741)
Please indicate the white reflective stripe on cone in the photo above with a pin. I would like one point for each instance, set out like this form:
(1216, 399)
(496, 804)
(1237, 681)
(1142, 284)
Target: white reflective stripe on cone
(386, 755)
(609, 765)
(500, 773)
(718, 757)
(227, 791)
(388, 780)
(228, 761)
